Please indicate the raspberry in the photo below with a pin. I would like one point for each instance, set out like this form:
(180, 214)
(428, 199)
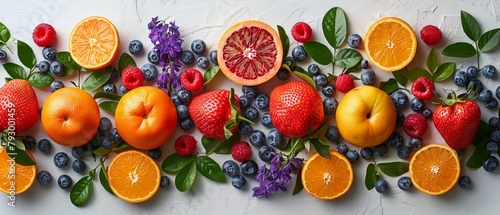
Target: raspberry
(415, 125)
(344, 83)
(423, 88)
(44, 35)
(431, 35)
(191, 79)
(301, 32)
(185, 145)
(241, 151)
(132, 77)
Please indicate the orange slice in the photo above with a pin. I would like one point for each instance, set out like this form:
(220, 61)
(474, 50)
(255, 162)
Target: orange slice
(250, 52)
(435, 169)
(390, 44)
(94, 42)
(15, 178)
(327, 178)
(134, 176)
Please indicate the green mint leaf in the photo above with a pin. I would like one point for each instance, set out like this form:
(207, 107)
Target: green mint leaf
(321, 148)
(20, 156)
(109, 106)
(104, 181)
(347, 58)
(432, 61)
(394, 168)
(40, 79)
(185, 177)
(65, 58)
(210, 169)
(26, 54)
(334, 27)
(444, 71)
(476, 159)
(124, 61)
(81, 191)
(389, 86)
(489, 40)
(112, 96)
(298, 185)
(304, 75)
(285, 41)
(210, 74)
(97, 79)
(319, 52)
(15, 71)
(470, 26)
(483, 132)
(400, 78)
(175, 162)
(459, 50)
(4, 33)
(372, 176)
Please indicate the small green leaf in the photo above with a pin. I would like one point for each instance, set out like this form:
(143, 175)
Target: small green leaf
(185, 177)
(210, 169)
(174, 162)
(335, 27)
(26, 54)
(97, 79)
(476, 159)
(15, 71)
(460, 50)
(444, 71)
(112, 96)
(347, 58)
(413, 74)
(372, 176)
(321, 148)
(489, 40)
(4, 33)
(470, 26)
(40, 79)
(102, 151)
(210, 74)
(432, 61)
(207, 143)
(394, 168)
(298, 185)
(65, 58)
(223, 146)
(482, 133)
(7, 79)
(285, 41)
(400, 78)
(109, 106)
(319, 52)
(389, 86)
(124, 61)
(287, 149)
(104, 181)
(81, 191)
(20, 156)
(304, 75)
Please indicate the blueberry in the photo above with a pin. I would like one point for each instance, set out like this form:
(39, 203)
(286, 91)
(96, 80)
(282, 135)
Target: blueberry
(352, 156)
(328, 90)
(266, 153)
(150, 72)
(122, 90)
(238, 181)
(175, 99)
(109, 87)
(399, 98)
(415, 143)
(49, 53)
(105, 124)
(198, 46)
(29, 142)
(244, 101)
(427, 113)
(489, 71)
(395, 140)
(299, 53)
(261, 101)
(107, 143)
(78, 152)
(55, 85)
(56, 68)
(472, 71)
(485, 95)
(381, 186)
(342, 148)
(495, 136)
(79, 166)
(135, 47)
(44, 177)
(230, 168)
(380, 150)
(186, 124)
(202, 62)
(164, 181)
(114, 75)
(184, 95)
(257, 138)
(492, 147)
(213, 57)
(494, 122)
(187, 57)
(3, 54)
(289, 61)
(44, 145)
(497, 92)
(182, 112)
(404, 152)
(44, 66)
(249, 91)
(490, 163)
(249, 168)
(400, 118)
(464, 181)
(330, 105)
(364, 64)
(64, 181)
(114, 136)
(332, 134)
(61, 159)
(320, 79)
(282, 74)
(155, 153)
(367, 77)
(313, 69)
(251, 113)
(460, 78)
(491, 104)
(245, 128)
(354, 40)
(417, 105)
(275, 138)
(366, 153)
(154, 56)
(404, 183)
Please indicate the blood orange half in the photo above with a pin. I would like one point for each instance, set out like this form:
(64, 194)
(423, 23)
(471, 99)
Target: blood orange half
(250, 52)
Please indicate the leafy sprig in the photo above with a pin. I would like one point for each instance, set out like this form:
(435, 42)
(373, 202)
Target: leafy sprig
(374, 170)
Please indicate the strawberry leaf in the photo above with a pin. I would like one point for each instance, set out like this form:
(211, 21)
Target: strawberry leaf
(175, 162)
(4, 33)
(394, 168)
(372, 175)
(459, 50)
(489, 40)
(432, 61)
(210, 169)
(15, 71)
(285, 41)
(334, 27)
(470, 25)
(443, 71)
(26, 54)
(185, 177)
(319, 52)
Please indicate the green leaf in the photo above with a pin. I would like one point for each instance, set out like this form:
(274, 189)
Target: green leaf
(222, 146)
(102, 151)
(112, 96)
(97, 79)
(319, 52)
(185, 177)
(207, 143)
(68, 62)
(394, 168)
(40, 79)
(470, 25)
(7, 79)
(20, 156)
(124, 61)
(210, 74)
(400, 78)
(334, 27)
(81, 191)
(15, 71)
(174, 162)
(210, 169)
(304, 75)
(104, 181)
(413, 74)
(476, 159)
(285, 41)
(460, 50)
(121, 145)
(432, 61)
(482, 133)
(389, 86)
(347, 58)
(26, 54)
(372, 176)
(109, 106)
(488, 40)
(444, 71)
(298, 185)
(4, 33)
(321, 148)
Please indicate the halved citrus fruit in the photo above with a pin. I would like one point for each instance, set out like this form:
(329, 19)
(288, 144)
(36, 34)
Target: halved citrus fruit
(94, 43)
(15, 178)
(435, 169)
(327, 178)
(250, 52)
(134, 176)
(390, 44)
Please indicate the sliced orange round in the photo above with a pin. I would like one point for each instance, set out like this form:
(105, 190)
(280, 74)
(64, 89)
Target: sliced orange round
(134, 176)
(250, 52)
(390, 44)
(15, 178)
(327, 178)
(94, 43)
(435, 169)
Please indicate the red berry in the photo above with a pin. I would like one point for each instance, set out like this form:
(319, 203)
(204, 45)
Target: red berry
(423, 88)
(132, 77)
(44, 35)
(415, 125)
(191, 79)
(431, 35)
(185, 145)
(301, 32)
(344, 83)
(241, 151)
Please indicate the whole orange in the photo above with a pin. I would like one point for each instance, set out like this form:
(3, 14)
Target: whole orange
(18, 106)
(70, 116)
(145, 117)
(366, 116)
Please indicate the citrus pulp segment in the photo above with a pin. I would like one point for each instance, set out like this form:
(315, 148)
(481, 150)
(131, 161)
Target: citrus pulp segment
(16, 180)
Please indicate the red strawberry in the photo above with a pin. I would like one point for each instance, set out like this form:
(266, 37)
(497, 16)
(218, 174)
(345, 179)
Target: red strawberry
(457, 121)
(415, 125)
(431, 35)
(191, 79)
(241, 151)
(185, 145)
(423, 88)
(344, 83)
(301, 32)
(44, 35)
(132, 77)
(296, 109)
(18, 106)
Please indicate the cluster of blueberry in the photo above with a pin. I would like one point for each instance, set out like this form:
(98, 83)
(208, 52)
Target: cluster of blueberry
(3, 55)
(471, 76)
(238, 173)
(198, 47)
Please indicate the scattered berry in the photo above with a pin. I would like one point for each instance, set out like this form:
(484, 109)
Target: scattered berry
(154, 56)
(109, 87)
(114, 75)
(244, 102)
(55, 85)
(187, 57)
(289, 61)
(107, 143)
(330, 105)
(198, 46)
(415, 143)
(495, 136)
(44, 35)
(49, 53)
(261, 101)
(56, 68)
(460, 78)
(417, 105)
(265, 119)
(249, 168)
(164, 181)
(431, 35)
(352, 156)
(44, 145)
(44, 177)
(114, 135)
(299, 53)
(185, 145)
(404, 183)
(415, 125)
(497, 92)
(282, 74)
(395, 140)
(464, 181)
(492, 147)
(105, 125)
(313, 69)
(399, 98)
(245, 128)
(155, 153)
(78, 152)
(344, 83)
(364, 64)
(422, 88)
(79, 166)
(249, 91)
(366, 153)
(238, 181)
(230, 168)
(275, 138)
(122, 90)
(61, 159)
(202, 62)
(182, 112)
(485, 95)
(332, 133)
(149, 71)
(404, 152)
(381, 186)
(135, 47)
(494, 122)
(251, 113)
(472, 72)
(132, 77)
(64, 181)
(191, 79)
(266, 153)
(257, 138)
(241, 151)
(342, 148)
(186, 124)
(175, 99)
(328, 90)
(43, 66)
(427, 113)
(490, 163)
(491, 104)
(354, 40)
(489, 71)
(400, 118)
(367, 77)
(184, 95)
(380, 150)
(213, 57)
(301, 32)
(320, 79)
(3, 55)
